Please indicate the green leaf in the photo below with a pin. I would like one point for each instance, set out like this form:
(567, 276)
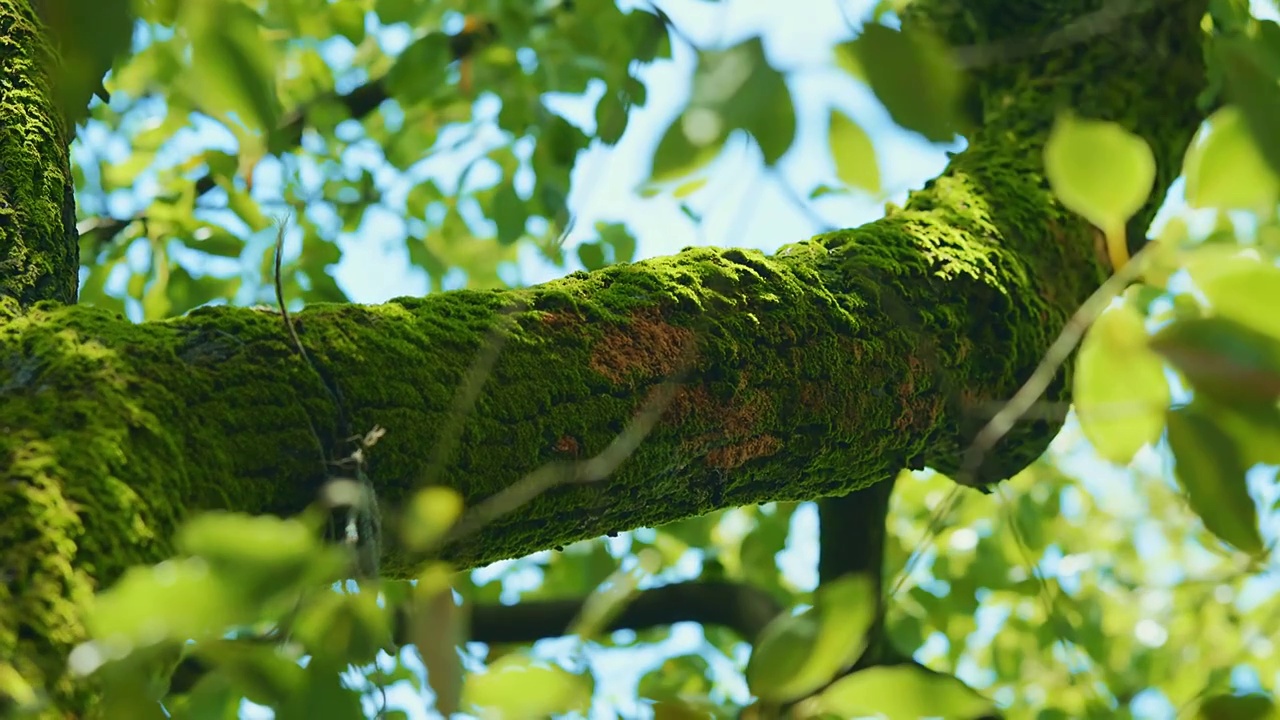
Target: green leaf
(913, 75)
(261, 672)
(592, 255)
(419, 72)
(675, 677)
(216, 241)
(232, 64)
(733, 89)
(1120, 391)
(347, 18)
(430, 514)
(1254, 429)
(179, 599)
(391, 12)
(763, 106)
(901, 692)
(261, 556)
(677, 156)
(1237, 707)
(90, 35)
(853, 152)
(1224, 168)
(617, 236)
(343, 628)
(1224, 358)
(1252, 86)
(1099, 170)
(797, 654)
(324, 697)
(516, 686)
(509, 214)
(1241, 288)
(1210, 468)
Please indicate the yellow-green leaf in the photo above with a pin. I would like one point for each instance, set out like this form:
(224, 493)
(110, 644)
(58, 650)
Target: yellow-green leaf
(1224, 167)
(797, 654)
(854, 155)
(1120, 391)
(516, 687)
(901, 692)
(1099, 170)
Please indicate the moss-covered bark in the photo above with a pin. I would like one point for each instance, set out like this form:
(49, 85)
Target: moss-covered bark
(815, 372)
(39, 248)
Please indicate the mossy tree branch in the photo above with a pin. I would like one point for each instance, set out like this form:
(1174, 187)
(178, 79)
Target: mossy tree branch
(818, 371)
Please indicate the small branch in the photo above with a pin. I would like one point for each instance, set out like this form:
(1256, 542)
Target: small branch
(851, 531)
(738, 606)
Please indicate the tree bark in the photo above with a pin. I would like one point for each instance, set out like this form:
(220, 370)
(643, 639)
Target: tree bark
(817, 371)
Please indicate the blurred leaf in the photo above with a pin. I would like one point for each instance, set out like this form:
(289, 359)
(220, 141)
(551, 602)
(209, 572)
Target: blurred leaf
(263, 556)
(1120, 391)
(324, 696)
(419, 72)
(796, 654)
(901, 692)
(261, 672)
(1223, 358)
(343, 628)
(824, 190)
(1252, 87)
(1209, 467)
(1099, 170)
(186, 292)
(609, 599)
(676, 676)
(1237, 707)
(516, 686)
(618, 237)
(592, 255)
(431, 513)
(90, 35)
(391, 12)
(232, 64)
(347, 18)
(509, 213)
(733, 89)
(1246, 290)
(216, 241)
(177, 599)
(853, 152)
(677, 156)
(913, 75)
(1224, 168)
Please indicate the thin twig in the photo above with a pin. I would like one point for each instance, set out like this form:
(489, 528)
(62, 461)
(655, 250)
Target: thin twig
(1029, 394)
(282, 224)
(591, 470)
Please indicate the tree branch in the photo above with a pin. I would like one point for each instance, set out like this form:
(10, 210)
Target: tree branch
(742, 608)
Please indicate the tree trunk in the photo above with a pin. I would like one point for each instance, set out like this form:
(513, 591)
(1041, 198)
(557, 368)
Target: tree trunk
(813, 372)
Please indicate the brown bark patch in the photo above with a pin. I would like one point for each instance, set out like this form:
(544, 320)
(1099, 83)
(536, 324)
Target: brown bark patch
(560, 319)
(732, 430)
(568, 445)
(726, 458)
(646, 347)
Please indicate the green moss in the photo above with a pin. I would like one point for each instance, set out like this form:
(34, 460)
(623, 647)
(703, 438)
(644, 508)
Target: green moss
(39, 252)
